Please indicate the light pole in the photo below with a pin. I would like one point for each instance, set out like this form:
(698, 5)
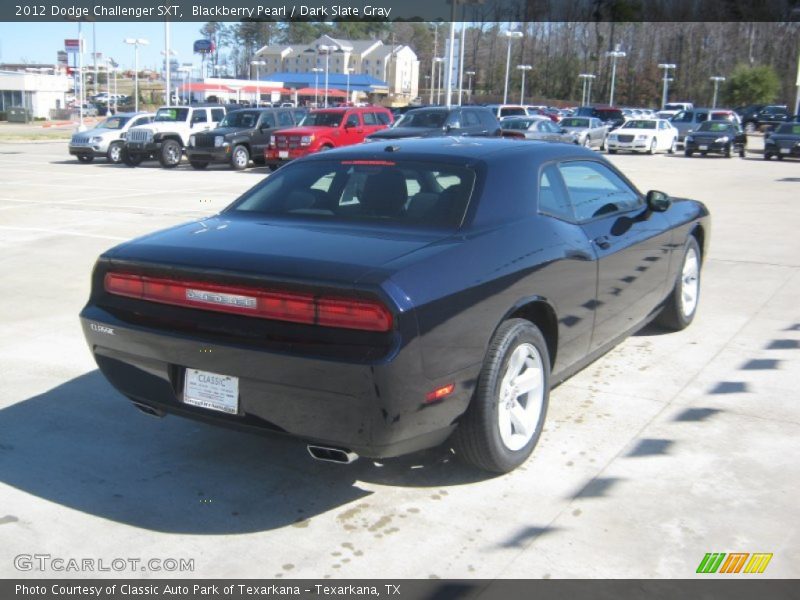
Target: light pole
(716, 79)
(347, 72)
(665, 90)
(326, 50)
(168, 74)
(587, 78)
(111, 66)
(317, 71)
(438, 61)
(257, 64)
(184, 71)
(433, 59)
(469, 74)
(136, 42)
(511, 35)
(524, 69)
(614, 54)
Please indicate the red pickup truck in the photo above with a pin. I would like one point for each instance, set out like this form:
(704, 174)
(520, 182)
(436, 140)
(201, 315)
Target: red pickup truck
(324, 129)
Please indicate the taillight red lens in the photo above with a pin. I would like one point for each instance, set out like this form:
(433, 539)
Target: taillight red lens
(367, 315)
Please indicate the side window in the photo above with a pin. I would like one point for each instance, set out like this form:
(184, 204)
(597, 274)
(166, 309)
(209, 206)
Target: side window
(284, 119)
(470, 119)
(454, 120)
(370, 118)
(489, 120)
(199, 116)
(595, 190)
(683, 117)
(553, 199)
(352, 121)
(701, 116)
(383, 118)
(217, 114)
(267, 120)
(543, 126)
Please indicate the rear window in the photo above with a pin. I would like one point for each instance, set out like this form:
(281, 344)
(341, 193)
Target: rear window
(513, 111)
(379, 191)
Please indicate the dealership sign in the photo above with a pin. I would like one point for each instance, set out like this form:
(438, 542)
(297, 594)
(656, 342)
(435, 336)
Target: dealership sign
(203, 47)
(73, 46)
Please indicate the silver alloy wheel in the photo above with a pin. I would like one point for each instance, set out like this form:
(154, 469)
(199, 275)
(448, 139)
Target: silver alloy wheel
(653, 146)
(587, 141)
(173, 154)
(674, 146)
(521, 396)
(240, 158)
(690, 282)
(115, 153)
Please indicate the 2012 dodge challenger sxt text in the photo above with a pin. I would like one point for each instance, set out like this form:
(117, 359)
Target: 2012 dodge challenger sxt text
(381, 299)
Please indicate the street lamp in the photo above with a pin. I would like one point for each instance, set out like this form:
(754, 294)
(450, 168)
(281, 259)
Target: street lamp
(614, 54)
(257, 64)
(586, 98)
(111, 66)
(524, 69)
(511, 35)
(136, 42)
(439, 62)
(716, 79)
(185, 70)
(469, 74)
(347, 72)
(168, 74)
(665, 91)
(317, 71)
(326, 50)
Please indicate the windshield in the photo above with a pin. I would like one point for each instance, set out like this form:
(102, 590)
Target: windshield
(353, 191)
(574, 122)
(517, 124)
(113, 123)
(171, 114)
(674, 107)
(428, 119)
(639, 125)
(715, 126)
(792, 128)
(323, 119)
(240, 118)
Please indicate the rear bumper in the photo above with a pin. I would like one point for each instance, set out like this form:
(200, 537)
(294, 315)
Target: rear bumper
(375, 409)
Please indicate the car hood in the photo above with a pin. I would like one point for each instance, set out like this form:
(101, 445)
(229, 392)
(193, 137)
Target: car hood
(224, 131)
(309, 130)
(784, 137)
(100, 131)
(295, 251)
(406, 132)
(161, 126)
(710, 134)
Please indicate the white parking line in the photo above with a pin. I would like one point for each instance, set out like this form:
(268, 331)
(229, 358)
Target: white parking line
(63, 232)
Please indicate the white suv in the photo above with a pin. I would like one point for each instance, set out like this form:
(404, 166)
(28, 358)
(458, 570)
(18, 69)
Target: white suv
(168, 135)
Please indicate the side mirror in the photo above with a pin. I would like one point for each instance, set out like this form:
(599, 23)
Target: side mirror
(658, 201)
(448, 128)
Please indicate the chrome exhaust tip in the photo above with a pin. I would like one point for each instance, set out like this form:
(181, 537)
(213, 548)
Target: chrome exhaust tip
(334, 455)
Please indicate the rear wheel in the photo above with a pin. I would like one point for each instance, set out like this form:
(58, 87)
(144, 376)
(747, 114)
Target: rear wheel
(114, 154)
(673, 147)
(506, 415)
(85, 158)
(681, 306)
(170, 155)
(198, 164)
(240, 158)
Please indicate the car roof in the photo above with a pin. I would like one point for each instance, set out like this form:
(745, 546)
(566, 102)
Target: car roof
(451, 149)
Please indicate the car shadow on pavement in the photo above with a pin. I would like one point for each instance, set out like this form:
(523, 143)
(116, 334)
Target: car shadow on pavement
(84, 446)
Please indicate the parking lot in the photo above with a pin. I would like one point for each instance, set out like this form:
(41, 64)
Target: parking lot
(669, 447)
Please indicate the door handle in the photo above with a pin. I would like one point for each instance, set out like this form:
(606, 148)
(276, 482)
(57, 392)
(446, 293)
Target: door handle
(602, 242)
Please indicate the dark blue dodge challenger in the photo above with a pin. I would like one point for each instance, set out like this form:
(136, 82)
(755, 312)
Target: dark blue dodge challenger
(381, 299)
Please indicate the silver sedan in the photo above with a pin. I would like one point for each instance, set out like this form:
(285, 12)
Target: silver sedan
(588, 131)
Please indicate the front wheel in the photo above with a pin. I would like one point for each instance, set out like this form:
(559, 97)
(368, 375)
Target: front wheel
(652, 149)
(198, 165)
(506, 415)
(673, 146)
(610, 151)
(681, 306)
(85, 158)
(170, 155)
(688, 153)
(131, 159)
(114, 154)
(767, 156)
(240, 158)
(728, 151)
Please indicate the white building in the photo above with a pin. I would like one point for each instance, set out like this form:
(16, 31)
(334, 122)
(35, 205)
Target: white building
(40, 93)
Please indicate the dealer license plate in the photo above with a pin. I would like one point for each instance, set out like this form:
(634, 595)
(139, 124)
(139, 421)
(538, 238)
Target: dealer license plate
(703, 147)
(785, 150)
(283, 154)
(212, 391)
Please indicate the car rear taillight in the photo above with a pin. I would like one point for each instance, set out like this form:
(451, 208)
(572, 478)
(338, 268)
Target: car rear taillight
(296, 307)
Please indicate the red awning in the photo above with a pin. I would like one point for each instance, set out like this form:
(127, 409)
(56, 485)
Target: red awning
(197, 86)
(332, 93)
(264, 89)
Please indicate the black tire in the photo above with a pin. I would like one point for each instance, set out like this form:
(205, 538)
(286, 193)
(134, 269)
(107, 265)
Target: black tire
(673, 316)
(587, 142)
(170, 154)
(240, 157)
(767, 156)
(741, 152)
(131, 159)
(85, 158)
(727, 152)
(688, 153)
(610, 151)
(652, 149)
(272, 166)
(780, 156)
(114, 154)
(477, 440)
(673, 146)
(198, 164)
